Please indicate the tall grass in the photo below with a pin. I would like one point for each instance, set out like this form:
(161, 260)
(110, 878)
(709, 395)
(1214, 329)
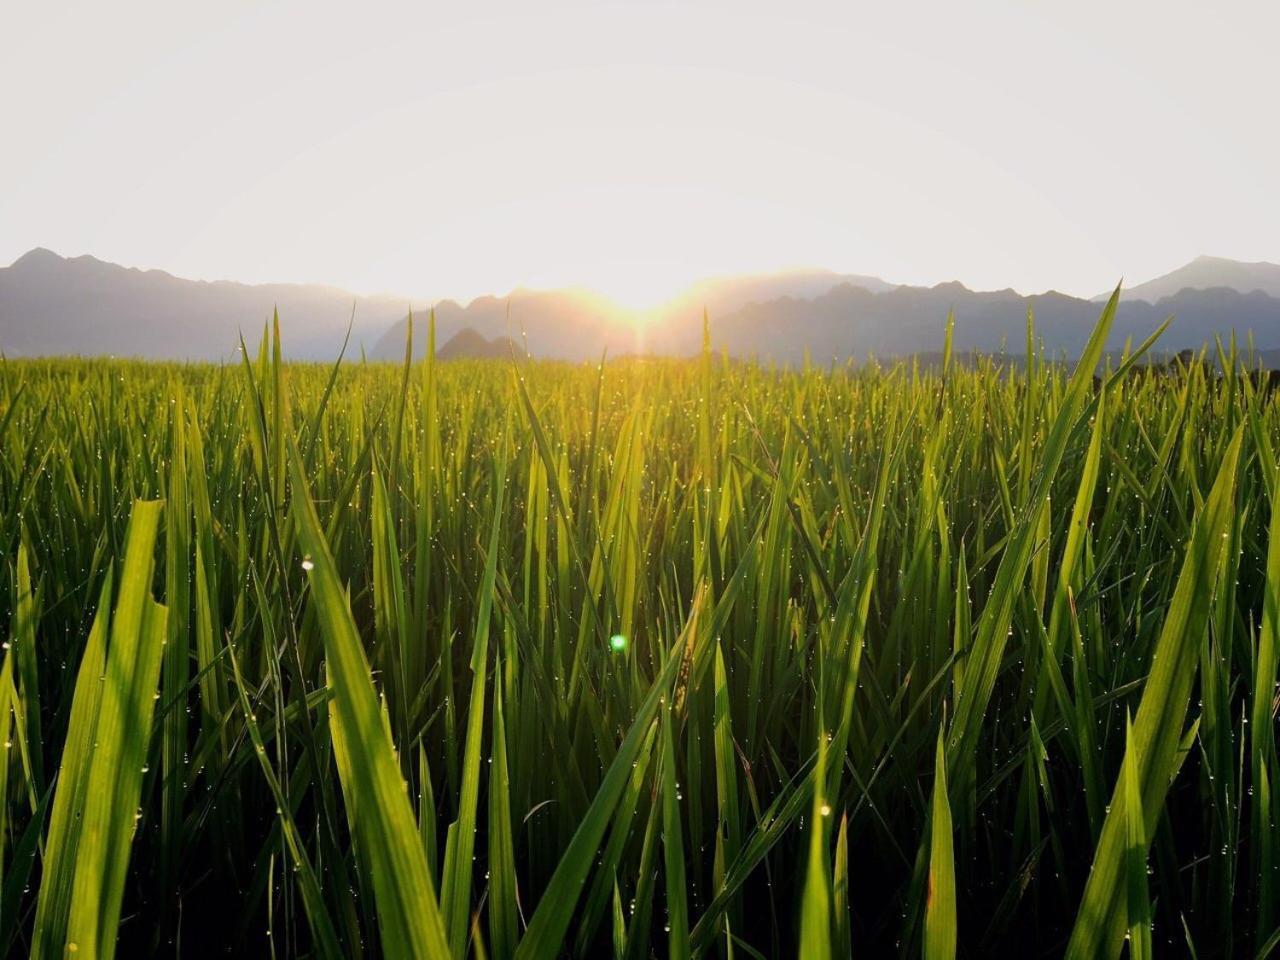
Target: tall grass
(650, 658)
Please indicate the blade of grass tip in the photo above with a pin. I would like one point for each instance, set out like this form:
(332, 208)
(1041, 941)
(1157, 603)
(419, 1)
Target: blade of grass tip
(318, 417)
(428, 469)
(545, 934)
(278, 400)
(408, 912)
(62, 841)
(940, 918)
(947, 342)
(119, 746)
(427, 812)
(619, 925)
(842, 934)
(842, 937)
(403, 401)
(1100, 922)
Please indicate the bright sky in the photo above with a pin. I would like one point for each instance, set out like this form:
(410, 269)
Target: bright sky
(452, 149)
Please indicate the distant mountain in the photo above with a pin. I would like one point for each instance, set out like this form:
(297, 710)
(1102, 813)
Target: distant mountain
(467, 344)
(850, 323)
(1205, 273)
(55, 305)
(81, 305)
(581, 324)
(720, 295)
(570, 324)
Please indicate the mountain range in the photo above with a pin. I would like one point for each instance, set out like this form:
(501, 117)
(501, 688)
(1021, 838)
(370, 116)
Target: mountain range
(51, 305)
(1205, 272)
(81, 305)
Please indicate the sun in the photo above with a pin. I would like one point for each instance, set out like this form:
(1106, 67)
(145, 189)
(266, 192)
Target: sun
(638, 299)
(641, 289)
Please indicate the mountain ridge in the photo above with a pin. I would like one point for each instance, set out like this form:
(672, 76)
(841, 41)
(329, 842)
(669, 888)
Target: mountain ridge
(50, 304)
(1206, 272)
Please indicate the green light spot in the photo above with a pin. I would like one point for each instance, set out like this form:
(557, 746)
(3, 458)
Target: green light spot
(618, 642)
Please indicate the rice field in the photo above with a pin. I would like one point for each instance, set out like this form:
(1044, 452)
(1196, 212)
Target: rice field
(651, 658)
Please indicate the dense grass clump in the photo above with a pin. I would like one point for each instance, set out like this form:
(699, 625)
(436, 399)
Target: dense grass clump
(656, 658)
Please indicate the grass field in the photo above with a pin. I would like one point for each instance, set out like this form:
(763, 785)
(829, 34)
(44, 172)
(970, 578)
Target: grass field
(658, 658)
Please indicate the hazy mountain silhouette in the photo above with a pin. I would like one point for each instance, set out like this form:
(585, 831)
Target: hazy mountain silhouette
(55, 305)
(852, 323)
(721, 295)
(58, 305)
(1204, 273)
(572, 324)
(579, 324)
(467, 344)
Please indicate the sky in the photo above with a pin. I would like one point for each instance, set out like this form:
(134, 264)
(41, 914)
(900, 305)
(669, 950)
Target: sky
(454, 149)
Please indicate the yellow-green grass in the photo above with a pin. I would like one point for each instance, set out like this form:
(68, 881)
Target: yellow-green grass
(646, 658)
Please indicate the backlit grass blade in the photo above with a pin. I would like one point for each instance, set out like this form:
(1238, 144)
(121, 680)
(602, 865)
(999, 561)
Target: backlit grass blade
(27, 675)
(673, 853)
(550, 920)
(503, 905)
(7, 694)
(841, 934)
(176, 666)
(729, 831)
(1137, 896)
(619, 834)
(408, 913)
(118, 746)
(1100, 922)
(815, 909)
(991, 543)
(460, 843)
(1266, 826)
(940, 918)
(67, 818)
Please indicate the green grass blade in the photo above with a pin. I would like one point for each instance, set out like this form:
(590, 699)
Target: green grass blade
(1100, 922)
(62, 841)
(119, 746)
(940, 918)
(408, 913)
(550, 920)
